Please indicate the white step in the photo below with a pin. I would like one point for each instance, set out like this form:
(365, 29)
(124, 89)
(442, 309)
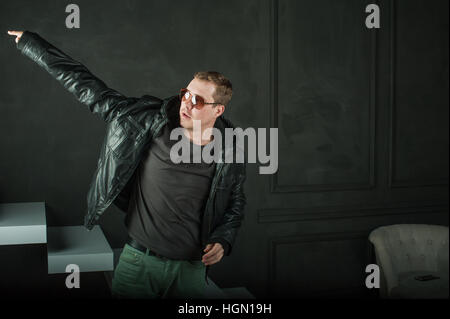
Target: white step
(89, 250)
(22, 223)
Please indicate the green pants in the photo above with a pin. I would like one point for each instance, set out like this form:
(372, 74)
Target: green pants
(139, 275)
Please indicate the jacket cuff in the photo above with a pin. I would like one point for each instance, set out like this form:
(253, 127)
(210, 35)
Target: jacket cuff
(226, 245)
(24, 39)
(88, 224)
(32, 45)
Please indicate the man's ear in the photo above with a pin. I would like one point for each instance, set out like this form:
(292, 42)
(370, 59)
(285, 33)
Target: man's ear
(220, 108)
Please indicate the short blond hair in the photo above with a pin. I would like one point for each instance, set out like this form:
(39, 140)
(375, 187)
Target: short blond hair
(224, 89)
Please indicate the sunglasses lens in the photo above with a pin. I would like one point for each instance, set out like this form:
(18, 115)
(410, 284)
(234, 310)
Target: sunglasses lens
(196, 101)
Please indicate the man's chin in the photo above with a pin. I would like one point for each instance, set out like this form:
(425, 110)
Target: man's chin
(185, 124)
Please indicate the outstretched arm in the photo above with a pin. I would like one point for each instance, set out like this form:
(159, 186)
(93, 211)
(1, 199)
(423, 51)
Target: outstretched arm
(74, 76)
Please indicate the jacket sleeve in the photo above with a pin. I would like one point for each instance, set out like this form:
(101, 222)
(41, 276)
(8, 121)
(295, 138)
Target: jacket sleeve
(226, 232)
(74, 76)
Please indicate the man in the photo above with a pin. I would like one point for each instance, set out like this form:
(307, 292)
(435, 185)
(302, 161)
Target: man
(181, 218)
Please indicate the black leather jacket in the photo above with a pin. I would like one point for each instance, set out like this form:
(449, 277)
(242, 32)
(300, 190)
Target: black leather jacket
(131, 125)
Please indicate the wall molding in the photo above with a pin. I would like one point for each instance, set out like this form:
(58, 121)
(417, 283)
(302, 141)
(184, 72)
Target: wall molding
(284, 215)
(275, 242)
(392, 183)
(275, 187)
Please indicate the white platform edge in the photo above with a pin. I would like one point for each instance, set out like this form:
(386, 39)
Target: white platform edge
(34, 232)
(87, 261)
(21, 235)
(58, 264)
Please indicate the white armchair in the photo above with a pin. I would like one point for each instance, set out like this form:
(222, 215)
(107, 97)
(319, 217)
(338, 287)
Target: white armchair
(404, 252)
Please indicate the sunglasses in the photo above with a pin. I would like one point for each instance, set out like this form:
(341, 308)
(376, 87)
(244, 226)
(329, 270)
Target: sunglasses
(196, 100)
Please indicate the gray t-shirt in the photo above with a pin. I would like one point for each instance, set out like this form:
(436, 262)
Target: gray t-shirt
(168, 199)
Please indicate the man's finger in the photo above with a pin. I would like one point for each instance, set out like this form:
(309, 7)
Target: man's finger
(217, 249)
(209, 254)
(213, 259)
(214, 250)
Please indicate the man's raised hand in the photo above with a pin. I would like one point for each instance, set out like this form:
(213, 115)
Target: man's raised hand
(18, 34)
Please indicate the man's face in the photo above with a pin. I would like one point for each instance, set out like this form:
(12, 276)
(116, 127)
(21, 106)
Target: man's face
(208, 114)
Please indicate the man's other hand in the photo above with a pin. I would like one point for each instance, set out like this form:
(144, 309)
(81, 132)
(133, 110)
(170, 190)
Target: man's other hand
(18, 34)
(214, 253)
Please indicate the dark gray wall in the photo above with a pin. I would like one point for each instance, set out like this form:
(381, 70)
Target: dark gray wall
(362, 118)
